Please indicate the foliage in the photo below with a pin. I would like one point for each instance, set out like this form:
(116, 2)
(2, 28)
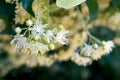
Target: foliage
(59, 36)
(68, 3)
(27, 5)
(93, 9)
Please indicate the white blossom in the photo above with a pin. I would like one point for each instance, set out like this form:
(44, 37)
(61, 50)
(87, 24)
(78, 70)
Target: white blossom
(108, 45)
(50, 35)
(19, 41)
(87, 50)
(61, 36)
(106, 48)
(36, 43)
(29, 23)
(38, 29)
(97, 53)
(80, 60)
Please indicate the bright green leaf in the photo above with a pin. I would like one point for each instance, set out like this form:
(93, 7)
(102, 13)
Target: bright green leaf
(68, 3)
(27, 5)
(93, 9)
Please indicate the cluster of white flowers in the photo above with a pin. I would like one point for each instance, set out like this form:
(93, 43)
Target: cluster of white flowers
(40, 38)
(97, 52)
(20, 41)
(92, 52)
(80, 60)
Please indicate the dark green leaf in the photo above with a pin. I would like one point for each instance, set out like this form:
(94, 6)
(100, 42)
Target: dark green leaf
(116, 4)
(27, 5)
(93, 9)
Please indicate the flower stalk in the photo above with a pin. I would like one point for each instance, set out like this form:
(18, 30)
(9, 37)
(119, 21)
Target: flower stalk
(85, 28)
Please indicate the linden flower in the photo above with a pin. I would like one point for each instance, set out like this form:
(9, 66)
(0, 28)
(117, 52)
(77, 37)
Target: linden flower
(38, 29)
(61, 36)
(80, 60)
(108, 45)
(36, 47)
(98, 53)
(106, 48)
(87, 50)
(36, 41)
(20, 41)
(50, 35)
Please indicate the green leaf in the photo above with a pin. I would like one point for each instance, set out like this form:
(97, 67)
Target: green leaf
(68, 3)
(27, 5)
(116, 4)
(93, 9)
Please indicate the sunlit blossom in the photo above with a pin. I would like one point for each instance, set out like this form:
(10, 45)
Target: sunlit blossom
(87, 50)
(35, 42)
(96, 53)
(61, 36)
(50, 35)
(108, 45)
(80, 60)
(19, 41)
(38, 29)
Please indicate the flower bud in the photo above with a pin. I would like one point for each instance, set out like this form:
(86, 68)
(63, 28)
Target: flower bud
(51, 46)
(29, 23)
(103, 44)
(95, 46)
(36, 38)
(60, 27)
(18, 30)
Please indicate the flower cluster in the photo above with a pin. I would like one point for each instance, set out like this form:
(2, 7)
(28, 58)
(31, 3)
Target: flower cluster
(92, 52)
(80, 60)
(40, 38)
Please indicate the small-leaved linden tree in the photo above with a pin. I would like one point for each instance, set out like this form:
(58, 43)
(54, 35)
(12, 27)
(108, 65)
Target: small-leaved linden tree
(38, 37)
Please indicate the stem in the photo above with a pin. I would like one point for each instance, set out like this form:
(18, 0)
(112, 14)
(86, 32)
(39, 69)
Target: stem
(85, 28)
(24, 28)
(25, 32)
(29, 34)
